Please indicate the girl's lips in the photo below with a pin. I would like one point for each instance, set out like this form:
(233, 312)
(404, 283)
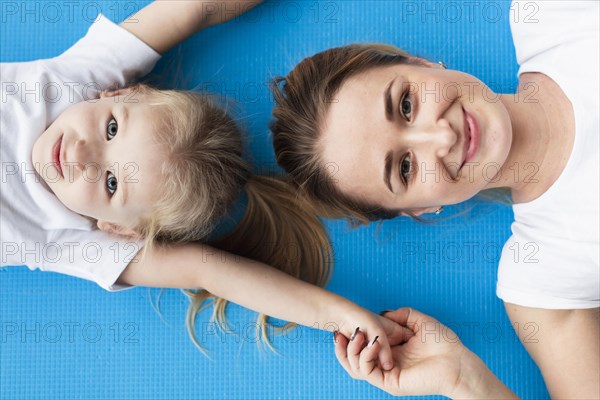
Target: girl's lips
(56, 155)
(473, 139)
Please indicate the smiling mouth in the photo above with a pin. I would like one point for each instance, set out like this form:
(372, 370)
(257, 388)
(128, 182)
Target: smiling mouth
(467, 138)
(56, 155)
(471, 134)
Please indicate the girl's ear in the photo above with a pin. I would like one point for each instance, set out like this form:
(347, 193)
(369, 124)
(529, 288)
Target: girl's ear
(109, 227)
(121, 92)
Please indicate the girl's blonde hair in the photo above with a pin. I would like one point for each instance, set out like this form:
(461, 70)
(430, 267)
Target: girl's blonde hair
(205, 173)
(302, 99)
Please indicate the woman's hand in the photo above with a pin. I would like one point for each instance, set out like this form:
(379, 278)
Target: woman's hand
(433, 361)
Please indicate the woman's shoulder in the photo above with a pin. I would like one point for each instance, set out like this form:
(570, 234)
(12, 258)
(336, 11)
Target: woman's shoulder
(548, 27)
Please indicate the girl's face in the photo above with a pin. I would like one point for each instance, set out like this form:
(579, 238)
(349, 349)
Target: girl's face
(100, 160)
(408, 137)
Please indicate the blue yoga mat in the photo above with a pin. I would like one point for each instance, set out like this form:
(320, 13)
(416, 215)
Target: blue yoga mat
(67, 338)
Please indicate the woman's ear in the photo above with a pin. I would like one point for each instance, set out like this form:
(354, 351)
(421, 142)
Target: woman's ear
(111, 228)
(420, 211)
(121, 92)
(423, 62)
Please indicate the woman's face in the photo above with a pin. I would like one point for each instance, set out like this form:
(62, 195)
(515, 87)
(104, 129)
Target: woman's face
(408, 137)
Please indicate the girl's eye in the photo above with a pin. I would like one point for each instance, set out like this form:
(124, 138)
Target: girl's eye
(406, 169)
(111, 129)
(111, 183)
(406, 106)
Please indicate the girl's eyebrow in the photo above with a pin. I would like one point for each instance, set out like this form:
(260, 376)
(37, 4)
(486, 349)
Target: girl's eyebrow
(123, 123)
(124, 190)
(124, 118)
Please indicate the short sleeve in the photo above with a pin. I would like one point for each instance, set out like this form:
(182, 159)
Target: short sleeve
(107, 57)
(92, 255)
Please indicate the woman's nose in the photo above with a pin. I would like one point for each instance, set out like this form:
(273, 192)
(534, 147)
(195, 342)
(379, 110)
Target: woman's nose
(438, 137)
(444, 138)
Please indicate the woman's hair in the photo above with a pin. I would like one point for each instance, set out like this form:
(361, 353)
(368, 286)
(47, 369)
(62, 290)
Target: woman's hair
(301, 105)
(204, 175)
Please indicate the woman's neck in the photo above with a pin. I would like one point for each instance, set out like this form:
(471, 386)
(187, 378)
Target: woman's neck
(542, 137)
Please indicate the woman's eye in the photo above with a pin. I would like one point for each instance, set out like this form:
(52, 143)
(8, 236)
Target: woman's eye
(111, 129)
(406, 169)
(111, 183)
(406, 106)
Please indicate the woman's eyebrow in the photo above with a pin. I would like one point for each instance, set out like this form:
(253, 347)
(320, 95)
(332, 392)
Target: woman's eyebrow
(387, 100)
(388, 170)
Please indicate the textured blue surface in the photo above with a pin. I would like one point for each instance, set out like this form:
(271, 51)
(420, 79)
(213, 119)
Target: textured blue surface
(67, 338)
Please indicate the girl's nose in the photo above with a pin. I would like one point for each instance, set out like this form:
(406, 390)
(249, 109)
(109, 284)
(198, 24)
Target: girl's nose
(83, 154)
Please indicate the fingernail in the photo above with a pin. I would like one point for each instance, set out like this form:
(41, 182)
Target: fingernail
(384, 312)
(387, 365)
(372, 342)
(354, 334)
(335, 333)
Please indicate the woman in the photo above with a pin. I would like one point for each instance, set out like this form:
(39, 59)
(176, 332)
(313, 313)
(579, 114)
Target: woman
(372, 132)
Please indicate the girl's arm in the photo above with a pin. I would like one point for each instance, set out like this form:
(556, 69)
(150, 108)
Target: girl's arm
(565, 345)
(165, 23)
(260, 288)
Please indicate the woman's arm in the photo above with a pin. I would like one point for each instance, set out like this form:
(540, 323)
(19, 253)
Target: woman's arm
(565, 344)
(260, 288)
(165, 23)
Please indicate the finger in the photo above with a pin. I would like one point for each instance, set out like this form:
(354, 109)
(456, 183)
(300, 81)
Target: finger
(408, 317)
(399, 334)
(386, 358)
(368, 358)
(400, 315)
(394, 332)
(368, 365)
(357, 343)
(405, 333)
(341, 352)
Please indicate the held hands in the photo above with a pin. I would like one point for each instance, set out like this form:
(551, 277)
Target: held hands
(429, 362)
(363, 328)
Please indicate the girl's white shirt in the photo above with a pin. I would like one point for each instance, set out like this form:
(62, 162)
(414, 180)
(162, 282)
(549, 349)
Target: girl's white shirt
(552, 258)
(36, 229)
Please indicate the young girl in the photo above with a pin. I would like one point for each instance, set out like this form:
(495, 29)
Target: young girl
(90, 180)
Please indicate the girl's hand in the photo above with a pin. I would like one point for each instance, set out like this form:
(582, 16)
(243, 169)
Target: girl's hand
(433, 361)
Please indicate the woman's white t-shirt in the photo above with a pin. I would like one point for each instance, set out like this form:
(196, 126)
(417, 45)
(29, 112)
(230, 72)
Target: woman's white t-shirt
(552, 258)
(36, 229)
